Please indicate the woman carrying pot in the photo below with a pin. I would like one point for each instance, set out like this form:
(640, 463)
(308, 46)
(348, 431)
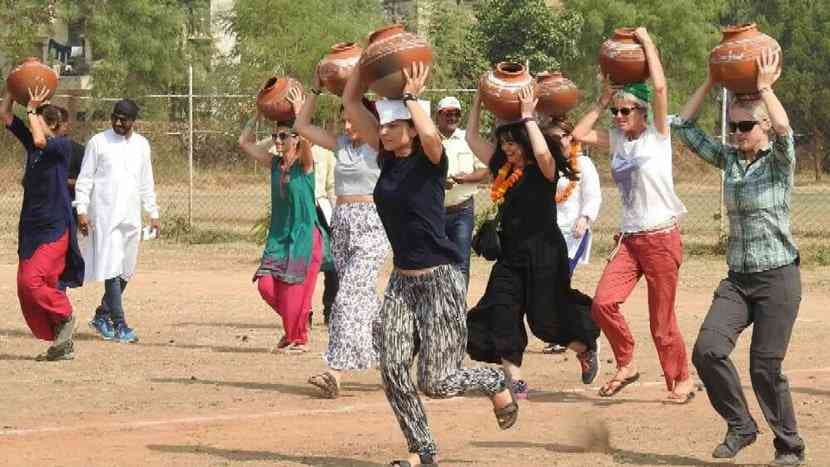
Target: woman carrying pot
(649, 242)
(531, 276)
(763, 286)
(358, 241)
(297, 245)
(424, 307)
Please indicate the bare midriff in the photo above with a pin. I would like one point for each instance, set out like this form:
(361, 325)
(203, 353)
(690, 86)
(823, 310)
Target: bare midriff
(415, 272)
(349, 199)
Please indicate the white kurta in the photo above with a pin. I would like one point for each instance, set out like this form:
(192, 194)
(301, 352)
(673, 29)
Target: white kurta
(584, 201)
(115, 183)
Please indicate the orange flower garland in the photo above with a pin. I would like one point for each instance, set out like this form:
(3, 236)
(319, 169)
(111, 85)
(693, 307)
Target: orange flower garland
(507, 177)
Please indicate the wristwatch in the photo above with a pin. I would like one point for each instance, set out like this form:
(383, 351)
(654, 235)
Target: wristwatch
(31, 112)
(408, 96)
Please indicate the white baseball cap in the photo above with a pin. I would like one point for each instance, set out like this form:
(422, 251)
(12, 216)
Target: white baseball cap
(390, 110)
(449, 102)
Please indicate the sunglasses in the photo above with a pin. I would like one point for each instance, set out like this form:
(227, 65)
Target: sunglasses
(283, 135)
(451, 113)
(744, 126)
(625, 111)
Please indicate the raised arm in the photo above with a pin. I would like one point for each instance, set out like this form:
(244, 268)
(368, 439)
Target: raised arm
(691, 109)
(768, 72)
(304, 109)
(364, 122)
(584, 131)
(247, 141)
(482, 148)
(701, 144)
(305, 155)
(660, 103)
(544, 159)
(416, 78)
(36, 97)
(6, 115)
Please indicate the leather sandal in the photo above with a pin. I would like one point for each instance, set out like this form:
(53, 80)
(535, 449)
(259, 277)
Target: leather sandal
(506, 416)
(616, 385)
(425, 461)
(327, 383)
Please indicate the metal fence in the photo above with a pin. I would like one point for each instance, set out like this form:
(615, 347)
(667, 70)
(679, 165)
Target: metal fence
(204, 180)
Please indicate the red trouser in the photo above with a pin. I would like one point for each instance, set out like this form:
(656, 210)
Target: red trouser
(43, 304)
(658, 257)
(293, 301)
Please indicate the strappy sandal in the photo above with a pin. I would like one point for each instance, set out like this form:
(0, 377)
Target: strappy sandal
(506, 416)
(425, 461)
(327, 384)
(675, 399)
(293, 349)
(616, 385)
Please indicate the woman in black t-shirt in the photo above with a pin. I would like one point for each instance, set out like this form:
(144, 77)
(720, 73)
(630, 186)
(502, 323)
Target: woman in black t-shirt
(424, 308)
(532, 277)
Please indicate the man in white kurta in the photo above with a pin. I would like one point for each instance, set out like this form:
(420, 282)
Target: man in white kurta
(115, 183)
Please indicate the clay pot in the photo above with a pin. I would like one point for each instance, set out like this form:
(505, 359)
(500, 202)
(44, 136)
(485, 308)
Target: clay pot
(336, 67)
(271, 100)
(623, 58)
(391, 49)
(499, 89)
(30, 73)
(557, 94)
(732, 62)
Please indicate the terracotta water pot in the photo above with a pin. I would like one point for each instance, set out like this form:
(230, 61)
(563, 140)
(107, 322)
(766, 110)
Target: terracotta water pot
(499, 89)
(271, 100)
(733, 60)
(623, 58)
(391, 49)
(336, 67)
(557, 94)
(30, 73)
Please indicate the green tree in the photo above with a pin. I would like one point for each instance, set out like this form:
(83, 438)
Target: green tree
(526, 31)
(23, 25)
(457, 62)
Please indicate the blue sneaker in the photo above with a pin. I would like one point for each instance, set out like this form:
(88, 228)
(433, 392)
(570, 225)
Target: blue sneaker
(124, 333)
(103, 326)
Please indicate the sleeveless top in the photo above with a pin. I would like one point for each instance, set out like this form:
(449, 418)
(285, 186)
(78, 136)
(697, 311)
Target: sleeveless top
(356, 171)
(293, 220)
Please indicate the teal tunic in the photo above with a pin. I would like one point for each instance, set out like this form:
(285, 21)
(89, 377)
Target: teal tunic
(293, 220)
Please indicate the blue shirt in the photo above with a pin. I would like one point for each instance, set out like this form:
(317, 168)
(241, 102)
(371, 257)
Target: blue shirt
(47, 210)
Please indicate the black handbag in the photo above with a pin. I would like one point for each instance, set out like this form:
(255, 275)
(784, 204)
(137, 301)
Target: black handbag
(486, 241)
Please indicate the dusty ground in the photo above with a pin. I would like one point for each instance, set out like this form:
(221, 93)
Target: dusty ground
(202, 388)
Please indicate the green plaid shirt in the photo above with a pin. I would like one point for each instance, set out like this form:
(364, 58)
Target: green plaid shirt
(757, 198)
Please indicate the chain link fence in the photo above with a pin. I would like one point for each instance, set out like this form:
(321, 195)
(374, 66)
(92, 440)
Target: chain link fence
(226, 193)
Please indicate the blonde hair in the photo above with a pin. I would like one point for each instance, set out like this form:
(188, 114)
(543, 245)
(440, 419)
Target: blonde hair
(754, 107)
(627, 96)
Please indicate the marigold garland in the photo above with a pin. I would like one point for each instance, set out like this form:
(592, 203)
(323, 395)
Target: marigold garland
(508, 176)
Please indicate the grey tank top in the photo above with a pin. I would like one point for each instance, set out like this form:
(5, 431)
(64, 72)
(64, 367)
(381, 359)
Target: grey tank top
(356, 171)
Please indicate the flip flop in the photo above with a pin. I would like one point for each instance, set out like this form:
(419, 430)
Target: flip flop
(604, 391)
(506, 416)
(327, 383)
(673, 399)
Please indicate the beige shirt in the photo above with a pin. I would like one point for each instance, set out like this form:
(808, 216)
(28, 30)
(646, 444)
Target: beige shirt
(461, 161)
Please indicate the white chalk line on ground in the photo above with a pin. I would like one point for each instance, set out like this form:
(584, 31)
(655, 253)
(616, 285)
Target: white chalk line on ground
(204, 420)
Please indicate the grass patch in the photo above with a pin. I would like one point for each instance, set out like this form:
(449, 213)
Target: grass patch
(177, 229)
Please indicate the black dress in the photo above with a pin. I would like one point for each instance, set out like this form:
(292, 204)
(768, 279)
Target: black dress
(530, 279)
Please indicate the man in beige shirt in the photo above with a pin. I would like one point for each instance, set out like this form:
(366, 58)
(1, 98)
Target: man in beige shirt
(464, 174)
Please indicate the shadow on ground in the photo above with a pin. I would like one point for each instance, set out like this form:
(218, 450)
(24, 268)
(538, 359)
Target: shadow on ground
(240, 455)
(278, 387)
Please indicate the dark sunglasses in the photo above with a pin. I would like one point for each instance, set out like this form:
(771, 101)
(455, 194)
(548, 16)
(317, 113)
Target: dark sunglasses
(121, 118)
(283, 135)
(625, 111)
(744, 126)
(451, 113)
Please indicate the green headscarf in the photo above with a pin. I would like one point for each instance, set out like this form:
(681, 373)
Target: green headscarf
(639, 90)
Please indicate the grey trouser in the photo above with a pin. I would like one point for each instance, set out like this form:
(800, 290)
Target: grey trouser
(426, 315)
(769, 301)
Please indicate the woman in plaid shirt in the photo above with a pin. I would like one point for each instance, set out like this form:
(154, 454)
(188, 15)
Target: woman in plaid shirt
(763, 286)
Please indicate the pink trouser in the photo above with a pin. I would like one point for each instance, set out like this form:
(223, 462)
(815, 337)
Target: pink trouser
(658, 257)
(43, 304)
(293, 301)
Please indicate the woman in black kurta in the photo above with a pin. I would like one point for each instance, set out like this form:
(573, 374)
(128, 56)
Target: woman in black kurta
(531, 278)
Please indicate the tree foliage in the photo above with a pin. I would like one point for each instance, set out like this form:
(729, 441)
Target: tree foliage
(458, 62)
(22, 24)
(526, 31)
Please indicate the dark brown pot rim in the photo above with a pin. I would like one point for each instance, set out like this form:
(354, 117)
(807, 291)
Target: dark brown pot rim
(384, 30)
(624, 32)
(735, 28)
(510, 68)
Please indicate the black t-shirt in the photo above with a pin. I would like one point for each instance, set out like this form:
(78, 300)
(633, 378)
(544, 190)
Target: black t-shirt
(75, 162)
(410, 200)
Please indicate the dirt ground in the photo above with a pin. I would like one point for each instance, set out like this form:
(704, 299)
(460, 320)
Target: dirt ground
(202, 387)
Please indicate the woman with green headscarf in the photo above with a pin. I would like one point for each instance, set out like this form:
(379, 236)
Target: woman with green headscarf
(648, 243)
